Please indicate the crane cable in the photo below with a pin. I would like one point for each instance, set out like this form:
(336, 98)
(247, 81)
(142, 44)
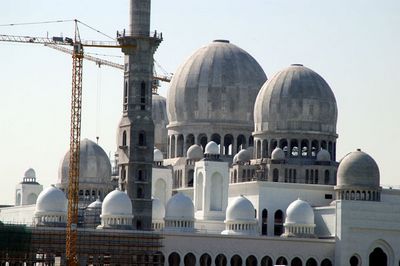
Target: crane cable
(35, 23)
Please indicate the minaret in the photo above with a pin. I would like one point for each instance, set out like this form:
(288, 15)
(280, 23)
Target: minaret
(136, 129)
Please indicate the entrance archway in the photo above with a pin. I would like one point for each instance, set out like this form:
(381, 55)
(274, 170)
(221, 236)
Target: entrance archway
(378, 257)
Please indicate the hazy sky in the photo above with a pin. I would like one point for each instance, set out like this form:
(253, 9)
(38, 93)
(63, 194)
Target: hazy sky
(354, 45)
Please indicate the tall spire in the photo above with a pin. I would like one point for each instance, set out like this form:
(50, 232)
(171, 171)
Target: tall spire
(136, 129)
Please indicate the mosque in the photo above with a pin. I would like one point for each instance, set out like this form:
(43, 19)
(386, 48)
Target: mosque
(243, 172)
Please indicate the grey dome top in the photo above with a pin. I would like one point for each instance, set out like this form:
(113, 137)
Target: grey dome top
(95, 166)
(211, 148)
(278, 154)
(218, 83)
(358, 169)
(296, 99)
(243, 156)
(158, 156)
(195, 152)
(323, 156)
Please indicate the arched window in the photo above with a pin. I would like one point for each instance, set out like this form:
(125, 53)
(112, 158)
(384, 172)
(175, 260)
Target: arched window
(140, 193)
(235, 180)
(304, 148)
(314, 148)
(264, 222)
(311, 262)
(294, 145)
(220, 260)
(354, 261)
(142, 138)
(258, 149)
(281, 261)
(251, 261)
(205, 260)
(241, 143)
(266, 261)
(327, 177)
(264, 148)
(190, 178)
(126, 96)
(143, 96)
(202, 140)
(296, 262)
(307, 176)
(326, 262)
(174, 259)
(236, 261)
(124, 138)
(275, 175)
(180, 146)
(228, 144)
(278, 223)
(378, 257)
(141, 175)
(216, 192)
(189, 259)
(316, 177)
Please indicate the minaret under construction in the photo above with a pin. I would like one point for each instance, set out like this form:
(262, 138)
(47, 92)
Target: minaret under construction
(136, 129)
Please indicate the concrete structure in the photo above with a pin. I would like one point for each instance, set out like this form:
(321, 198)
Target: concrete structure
(136, 129)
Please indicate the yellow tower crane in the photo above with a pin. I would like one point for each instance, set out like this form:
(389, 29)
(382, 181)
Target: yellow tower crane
(76, 110)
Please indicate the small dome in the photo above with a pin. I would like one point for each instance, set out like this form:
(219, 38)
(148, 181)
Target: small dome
(117, 203)
(95, 166)
(158, 156)
(299, 212)
(212, 148)
(179, 207)
(243, 156)
(323, 156)
(278, 154)
(296, 99)
(358, 169)
(240, 209)
(30, 173)
(158, 211)
(195, 152)
(51, 200)
(95, 204)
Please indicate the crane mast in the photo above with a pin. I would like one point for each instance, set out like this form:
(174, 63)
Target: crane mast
(74, 155)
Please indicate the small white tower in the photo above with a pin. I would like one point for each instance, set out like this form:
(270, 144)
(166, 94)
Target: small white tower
(211, 185)
(27, 192)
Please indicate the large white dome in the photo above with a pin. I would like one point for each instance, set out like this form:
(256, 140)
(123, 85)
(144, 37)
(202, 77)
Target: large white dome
(218, 83)
(95, 166)
(179, 207)
(299, 212)
(240, 209)
(51, 200)
(116, 203)
(295, 99)
(158, 211)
